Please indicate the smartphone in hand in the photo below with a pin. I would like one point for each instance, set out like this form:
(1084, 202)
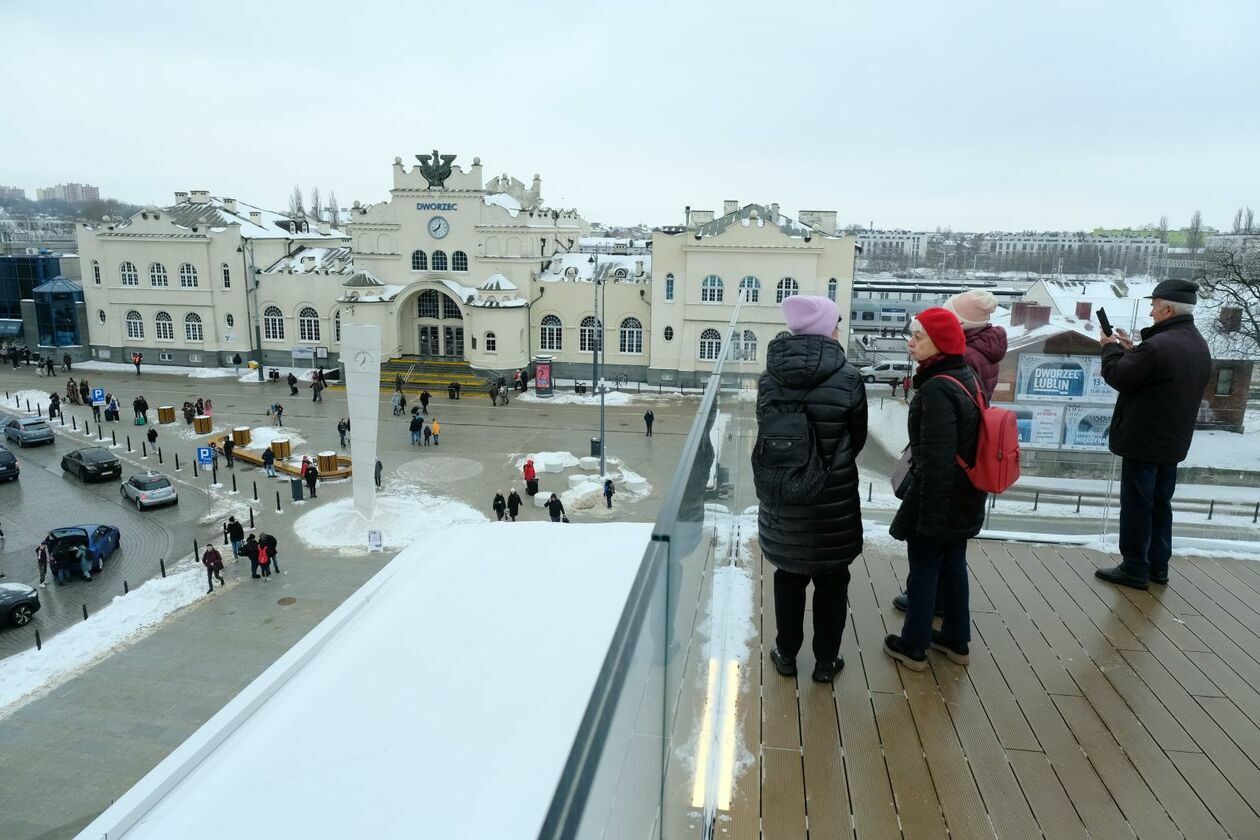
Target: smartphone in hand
(1104, 321)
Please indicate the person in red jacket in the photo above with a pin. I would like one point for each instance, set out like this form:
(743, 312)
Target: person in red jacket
(213, 561)
(531, 477)
(986, 344)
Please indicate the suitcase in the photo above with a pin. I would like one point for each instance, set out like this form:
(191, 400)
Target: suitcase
(140, 421)
(531, 487)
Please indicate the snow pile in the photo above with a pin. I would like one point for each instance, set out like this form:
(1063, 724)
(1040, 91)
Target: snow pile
(1223, 450)
(886, 422)
(33, 673)
(611, 398)
(17, 401)
(550, 462)
(403, 515)
(247, 375)
(211, 373)
(260, 437)
(189, 432)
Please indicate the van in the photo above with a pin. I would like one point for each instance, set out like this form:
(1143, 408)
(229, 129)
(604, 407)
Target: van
(889, 372)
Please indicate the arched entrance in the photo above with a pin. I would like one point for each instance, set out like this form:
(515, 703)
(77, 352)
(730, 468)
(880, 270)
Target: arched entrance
(439, 325)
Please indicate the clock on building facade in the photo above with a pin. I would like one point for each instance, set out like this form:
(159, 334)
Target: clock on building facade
(439, 227)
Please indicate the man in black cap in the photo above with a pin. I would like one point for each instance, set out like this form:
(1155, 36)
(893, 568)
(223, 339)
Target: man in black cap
(1160, 384)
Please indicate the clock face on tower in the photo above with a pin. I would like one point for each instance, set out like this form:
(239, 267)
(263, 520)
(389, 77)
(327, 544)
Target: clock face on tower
(439, 227)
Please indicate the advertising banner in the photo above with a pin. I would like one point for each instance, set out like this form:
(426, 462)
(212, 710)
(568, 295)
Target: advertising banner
(1086, 426)
(543, 386)
(1040, 426)
(1062, 379)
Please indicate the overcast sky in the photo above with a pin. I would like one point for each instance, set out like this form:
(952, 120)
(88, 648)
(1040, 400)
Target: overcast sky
(973, 114)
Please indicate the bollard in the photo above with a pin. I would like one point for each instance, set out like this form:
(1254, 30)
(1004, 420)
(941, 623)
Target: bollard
(1078, 504)
(1256, 514)
(144, 449)
(992, 501)
(196, 549)
(277, 501)
(28, 406)
(194, 467)
(39, 643)
(126, 589)
(870, 490)
(62, 414)
(39, 410)
(251, 519)
(159, 454)
(256, 492)
(162, 564)
(85, 612)
(225, 534)
(1036, 499)
(74, 421)
(214, 473)
(99, 434)
(233, 482)
(1211, 508)
(176, 462)
(128, 443)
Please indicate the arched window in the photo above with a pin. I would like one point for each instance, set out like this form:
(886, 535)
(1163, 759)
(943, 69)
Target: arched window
(450, 310)
(669, 287)
(419, 262)
(100, 315)
(631, 336)
(96, 273)
(711, 289)
(459, 261)
(157, 275)
(710, 345)
(273, 324)
(439, 261)
(669, 333)
(128, 275)
(746, 350)
(227, 276)
(192, 327)
(337, 327)
(551, 334)
(786, 288)
(832, 287)
(492, 343)
(230, 320)
(135, 325)
(428, 304)
(187, 276)
(163, 327)
(750, 289)
(586, 334)
(308, 324)
(492, 246)
(784, 334)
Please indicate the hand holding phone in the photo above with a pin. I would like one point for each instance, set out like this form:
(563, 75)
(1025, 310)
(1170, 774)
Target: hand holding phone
(1104, 321)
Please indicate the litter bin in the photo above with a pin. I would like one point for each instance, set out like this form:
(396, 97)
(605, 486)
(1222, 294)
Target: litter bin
(295, 487)
(596, 446)
(274, 374)
(450, 392)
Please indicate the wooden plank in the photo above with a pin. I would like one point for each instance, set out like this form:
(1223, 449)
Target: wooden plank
(744, 818)
(780, 717)
(1225, 803)
(1009, 810)
(1049, 801)
(1234, 581)
(782, 793)
(918, 806)
(870, 792)
(1140, 806)
(1239, 660)
(826, 786)
(1211, 601)
(1240, 728)
(1054, 567)
(868, 628)
(964, 809)
(980, 601)
(1245, 570)
(1242, 773)
(1164, 596)
(1236, 688)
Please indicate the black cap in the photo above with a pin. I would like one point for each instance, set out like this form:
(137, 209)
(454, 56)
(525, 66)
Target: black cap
(1177, 291)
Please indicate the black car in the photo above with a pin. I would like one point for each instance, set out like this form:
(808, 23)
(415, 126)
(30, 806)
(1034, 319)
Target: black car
(92, 462)
(9, 468)
(18, 602)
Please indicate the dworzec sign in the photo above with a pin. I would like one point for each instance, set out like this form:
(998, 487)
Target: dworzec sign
(436, 205)
(1062, 379)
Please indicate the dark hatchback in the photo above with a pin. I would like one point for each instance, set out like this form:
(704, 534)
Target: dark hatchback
(91, 463)
(9, 469)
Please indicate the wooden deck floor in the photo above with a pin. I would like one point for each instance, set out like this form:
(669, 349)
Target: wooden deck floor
(1087, 711)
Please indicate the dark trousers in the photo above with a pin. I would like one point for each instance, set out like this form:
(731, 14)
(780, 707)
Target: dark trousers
(649, 430)
(292, 390)
(500, 514)
(831, 592)
(935, 564)
(211, 575)
(1146, 492)
(253, 566)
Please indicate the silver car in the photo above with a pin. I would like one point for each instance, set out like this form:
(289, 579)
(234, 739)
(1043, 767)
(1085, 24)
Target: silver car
(27, 430)
(18, 602)
(149, 490)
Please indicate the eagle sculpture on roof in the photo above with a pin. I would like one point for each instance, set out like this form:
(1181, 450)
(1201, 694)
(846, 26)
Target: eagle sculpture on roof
(435, 168)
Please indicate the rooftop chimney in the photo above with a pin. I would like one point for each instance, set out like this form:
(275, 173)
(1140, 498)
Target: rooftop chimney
(229, 204)
(199, 196)
(1019, 312)
(308, 261)
(729, 206)
(700, 217)
(180, 196)
(1083, 308)
(255, 216)
(1037, 316)
(325, 228)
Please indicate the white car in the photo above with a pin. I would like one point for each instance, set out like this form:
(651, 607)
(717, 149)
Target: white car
(149, 490)
(890, 372)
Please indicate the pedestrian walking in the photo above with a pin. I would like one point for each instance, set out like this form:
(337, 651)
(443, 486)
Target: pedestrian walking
(377, 473)
(96, 412)
(152, 435)
(493, 391)
(200, 407)
(428, 433)
(65, 363)
(513, 504)
(236, 535)
(940, 508)
(516, 380)
(343, 428)
(499, 505)
(317, 391)
(136, 359)
(269, 462)
(312, 476)
(437, 430)
(986, 344)
(250, 550)
(54, 405)
(41, 560)
(809, 520)
(555, 508)
(84, 392)
(1160, 382)
(277, 414)
(111, 413)
(608, 492)
(208, 408)
(417, 428)
(649, 417)
(531, 477)
(292, 380)
(26, 356)
(228, 446)
(905, 388)
(213, 561)
(425, 396)
(397, 402)
(236, 363)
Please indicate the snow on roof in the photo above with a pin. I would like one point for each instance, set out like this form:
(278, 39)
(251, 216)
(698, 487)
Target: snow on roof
(215, 215)
(579, 267)
(507, 202)
(604, 244)
(497, 283)
(462, 293)
(758, 214)
(363, 279)
(373, 294)
(314, 259)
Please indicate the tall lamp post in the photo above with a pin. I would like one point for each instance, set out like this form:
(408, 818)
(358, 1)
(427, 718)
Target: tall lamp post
(247, 247)
(597, 312)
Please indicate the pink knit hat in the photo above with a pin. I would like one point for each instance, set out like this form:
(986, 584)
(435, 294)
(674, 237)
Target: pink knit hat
(811, 315)
(973, 307)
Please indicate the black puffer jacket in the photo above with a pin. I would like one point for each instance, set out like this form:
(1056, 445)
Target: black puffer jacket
(1161, 384)
(820, 537)
(940, 502)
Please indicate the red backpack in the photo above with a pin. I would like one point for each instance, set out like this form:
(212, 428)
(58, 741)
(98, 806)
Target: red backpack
(997, 449)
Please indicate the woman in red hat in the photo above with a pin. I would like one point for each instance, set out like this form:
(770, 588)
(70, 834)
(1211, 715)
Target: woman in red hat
(940, 509)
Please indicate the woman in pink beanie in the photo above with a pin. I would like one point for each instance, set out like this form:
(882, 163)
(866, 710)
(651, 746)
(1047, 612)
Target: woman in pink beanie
(986, 344)
(940, 509)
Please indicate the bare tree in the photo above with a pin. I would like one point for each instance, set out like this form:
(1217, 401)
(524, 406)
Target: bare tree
(295, 202)
(333, 208)
(316, 210)
(1194, 233)
(1231, 278)
(1163, 228)
(1238, 220)
(1249, 220)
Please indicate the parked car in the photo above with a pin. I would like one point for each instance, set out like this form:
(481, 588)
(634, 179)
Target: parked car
(100, 540)
(28, 430)
(890, 372)
(149, 490)
(92, 462)
(18, 602)
(9, 468)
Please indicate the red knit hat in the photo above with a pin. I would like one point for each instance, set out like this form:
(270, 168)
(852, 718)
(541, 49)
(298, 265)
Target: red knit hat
(943, 328)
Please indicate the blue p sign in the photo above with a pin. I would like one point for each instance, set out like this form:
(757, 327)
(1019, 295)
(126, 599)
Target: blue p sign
(98, 395)
(204, 456)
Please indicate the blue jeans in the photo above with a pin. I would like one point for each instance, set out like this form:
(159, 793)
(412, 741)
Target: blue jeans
(932, 564)
(415, 438)
(271, 469)
(236, 548)
(1146, 492)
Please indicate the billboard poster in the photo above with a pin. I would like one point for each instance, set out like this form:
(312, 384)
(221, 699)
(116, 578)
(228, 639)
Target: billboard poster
(1062, 379)
(542, 377)
(1086, 426)
(1040, 426)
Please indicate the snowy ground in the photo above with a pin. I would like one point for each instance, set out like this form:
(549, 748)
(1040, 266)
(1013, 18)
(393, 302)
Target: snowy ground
(611, 398)
(1226, 450)
(34, 673)
(246, 375)
(404, 514)
(586, 495)
(260, 437)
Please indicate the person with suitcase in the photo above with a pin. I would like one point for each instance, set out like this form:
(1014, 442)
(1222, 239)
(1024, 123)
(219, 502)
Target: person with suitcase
(531, 477)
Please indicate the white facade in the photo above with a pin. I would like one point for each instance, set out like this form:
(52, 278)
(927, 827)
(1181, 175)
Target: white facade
(900, 243)
(1013, 244)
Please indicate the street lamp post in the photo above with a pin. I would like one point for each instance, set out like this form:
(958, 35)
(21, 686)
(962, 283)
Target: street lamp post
(597, 313)
(252, 284)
